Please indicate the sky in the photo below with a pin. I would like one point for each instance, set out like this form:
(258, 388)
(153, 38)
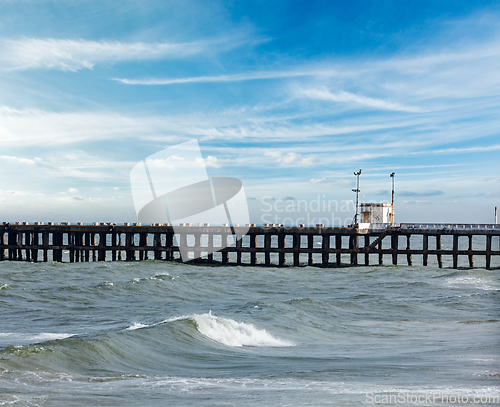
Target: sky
(290, 97)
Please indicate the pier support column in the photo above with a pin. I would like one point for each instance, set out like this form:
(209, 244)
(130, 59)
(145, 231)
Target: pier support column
(353, 247)
(86, 244)
(471, 256)
(129, 246)
(91, 242)
(253, 245)
(12, 241)
(455, 251)
(281, 246)
(238, 249)
(425, 249)
(296, 249)
(338, 249)
(78, 243)
(120, 245)
(394, 247)
(45, 242)
(197, 245)
(71, 242)
(101, 256)
(57, 239)
(27, 244)
(82, 243)
(169, 245)
(367, 253)
(157, 245)
(408, 255)
(488, 252)
(438, 249)
(211, 247)
(325, 246)
(114, 244)
(183, 246)
(224, 252)
(2, 244)
(310, 247)
(142, 244)
(267, 249)
(36, 242)
(19, 244)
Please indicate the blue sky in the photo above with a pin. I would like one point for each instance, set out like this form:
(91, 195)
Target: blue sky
(291, 97)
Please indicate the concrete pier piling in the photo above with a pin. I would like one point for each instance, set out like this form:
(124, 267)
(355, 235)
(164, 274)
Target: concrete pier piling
(270, 245)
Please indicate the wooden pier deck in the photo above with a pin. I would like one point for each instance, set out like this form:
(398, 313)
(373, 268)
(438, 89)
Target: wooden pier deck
(272, 245)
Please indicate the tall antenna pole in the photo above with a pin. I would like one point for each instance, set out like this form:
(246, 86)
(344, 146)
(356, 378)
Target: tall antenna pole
(392, 176)
(357, 197)
(495, 215)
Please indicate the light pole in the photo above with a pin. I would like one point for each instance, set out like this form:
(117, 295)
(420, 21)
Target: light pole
(392, 176)
(357, 197)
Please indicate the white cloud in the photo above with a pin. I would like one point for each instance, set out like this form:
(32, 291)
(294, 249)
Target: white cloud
(290, 158)
(72, 190)
(211, 161)
(336, 181)
(351, 98)
(2, 192)
(250, 76)
(20, 160)
(73, 55)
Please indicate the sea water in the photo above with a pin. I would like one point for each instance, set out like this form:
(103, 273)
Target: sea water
(156, 333)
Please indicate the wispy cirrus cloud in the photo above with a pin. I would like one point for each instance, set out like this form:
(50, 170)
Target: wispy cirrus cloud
(354, 99)
(250, 76)
(333, 181)
(21, 160)
(432, 192)
(74, 55)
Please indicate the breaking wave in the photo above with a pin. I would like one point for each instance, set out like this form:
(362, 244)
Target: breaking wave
(233, 333)
(225, 331)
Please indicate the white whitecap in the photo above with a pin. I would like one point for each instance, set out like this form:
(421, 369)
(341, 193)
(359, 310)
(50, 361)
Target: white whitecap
(136, 325)
(235, 334)
(44, 336)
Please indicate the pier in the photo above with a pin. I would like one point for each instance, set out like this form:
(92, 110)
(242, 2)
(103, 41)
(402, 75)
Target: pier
(269, 245)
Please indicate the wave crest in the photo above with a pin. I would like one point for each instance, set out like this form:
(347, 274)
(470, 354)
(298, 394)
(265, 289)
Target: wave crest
(235, 334)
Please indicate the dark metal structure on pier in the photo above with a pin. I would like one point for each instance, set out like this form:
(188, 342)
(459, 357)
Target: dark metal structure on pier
(270, 245)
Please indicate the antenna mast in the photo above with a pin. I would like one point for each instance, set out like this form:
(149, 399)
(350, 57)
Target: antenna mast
(357, 197)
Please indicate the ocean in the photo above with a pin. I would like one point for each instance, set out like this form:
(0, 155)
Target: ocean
(156, 333)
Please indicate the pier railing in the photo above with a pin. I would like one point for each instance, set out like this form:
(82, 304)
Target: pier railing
(450, 226)
(269, 245)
